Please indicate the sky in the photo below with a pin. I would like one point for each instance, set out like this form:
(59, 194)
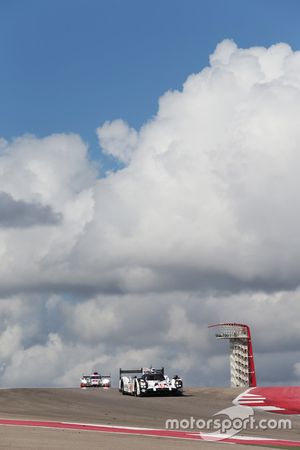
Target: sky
(68, 66)
(149, 155)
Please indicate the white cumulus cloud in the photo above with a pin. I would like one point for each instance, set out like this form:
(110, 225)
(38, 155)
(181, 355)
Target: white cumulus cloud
(118, 140)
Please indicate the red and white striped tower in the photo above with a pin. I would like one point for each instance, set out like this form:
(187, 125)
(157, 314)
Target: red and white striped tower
(242, 369)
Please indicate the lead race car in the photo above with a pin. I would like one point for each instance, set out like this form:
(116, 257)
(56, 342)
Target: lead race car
(146, 381)
(95, 380)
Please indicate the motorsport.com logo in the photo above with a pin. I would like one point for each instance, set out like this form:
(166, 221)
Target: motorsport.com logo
(239, 418)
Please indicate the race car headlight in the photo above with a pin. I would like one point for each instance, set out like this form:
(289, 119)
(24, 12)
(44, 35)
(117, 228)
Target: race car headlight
(178, 383)
(143, 383)
(105, 380)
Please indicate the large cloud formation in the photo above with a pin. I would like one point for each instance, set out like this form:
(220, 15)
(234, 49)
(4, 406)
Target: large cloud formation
(199, 225)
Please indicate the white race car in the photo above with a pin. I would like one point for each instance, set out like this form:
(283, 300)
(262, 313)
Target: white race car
(146, 381)
(95, 380)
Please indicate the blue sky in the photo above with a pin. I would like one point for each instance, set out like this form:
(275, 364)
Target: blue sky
(69, 65)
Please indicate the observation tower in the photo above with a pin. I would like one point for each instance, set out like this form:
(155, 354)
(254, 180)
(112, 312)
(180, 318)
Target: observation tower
(242, 369)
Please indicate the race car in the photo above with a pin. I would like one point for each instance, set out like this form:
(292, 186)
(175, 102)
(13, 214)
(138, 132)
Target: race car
(146, 381)
(95, 380)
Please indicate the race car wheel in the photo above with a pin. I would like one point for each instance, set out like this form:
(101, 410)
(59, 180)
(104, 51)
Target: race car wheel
(178, 393)
(122, 389)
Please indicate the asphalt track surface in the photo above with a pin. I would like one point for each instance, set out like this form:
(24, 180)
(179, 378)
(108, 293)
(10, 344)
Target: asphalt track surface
(109, 407)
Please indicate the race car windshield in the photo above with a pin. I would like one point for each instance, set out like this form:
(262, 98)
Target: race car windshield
(155, 377)
(95, 377)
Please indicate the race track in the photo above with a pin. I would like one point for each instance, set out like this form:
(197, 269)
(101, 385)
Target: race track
(108, 407)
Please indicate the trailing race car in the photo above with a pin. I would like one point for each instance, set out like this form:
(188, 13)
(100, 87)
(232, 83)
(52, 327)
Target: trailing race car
(149, 381)
(95, 380)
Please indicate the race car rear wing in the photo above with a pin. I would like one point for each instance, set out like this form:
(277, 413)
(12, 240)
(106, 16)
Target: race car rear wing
(141, 371)
(130, 371)
(100, 376)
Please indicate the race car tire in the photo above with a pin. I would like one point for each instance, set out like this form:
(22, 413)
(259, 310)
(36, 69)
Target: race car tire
(122, 389)
(135, 392)
(177, 393)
